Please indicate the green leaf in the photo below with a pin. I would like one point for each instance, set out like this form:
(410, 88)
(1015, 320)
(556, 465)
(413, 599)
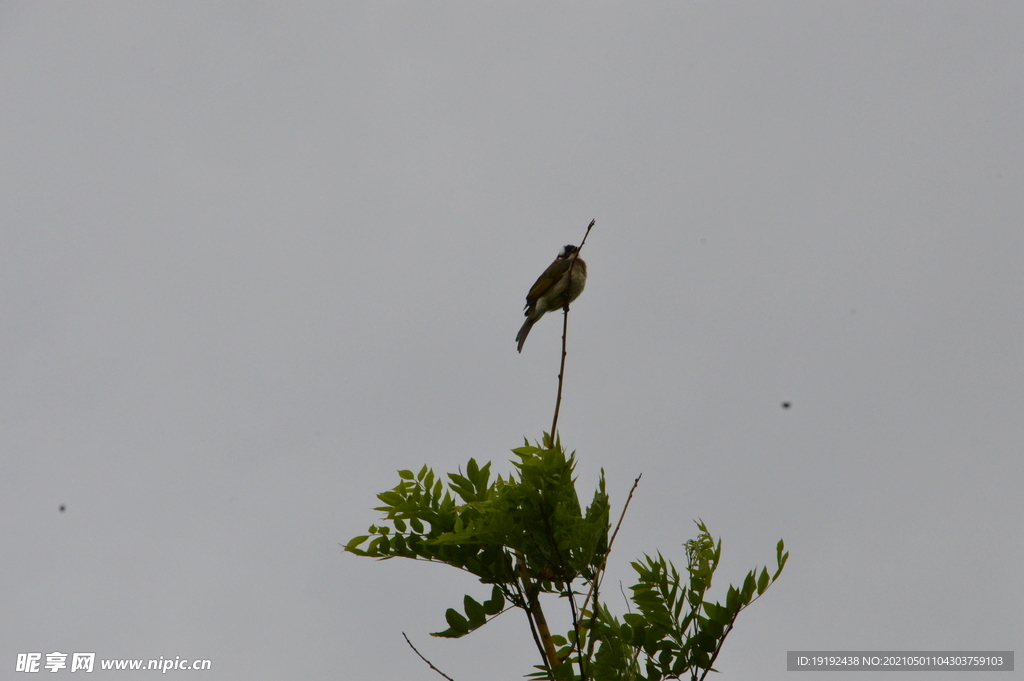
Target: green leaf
(390, 498)
(475, 612)
(399, 524)
(781, 558)
(495, 603)
(417, 525)
(723, 615)
(749, 585)
(678, 667)
(398, 544)
(356, 541)
(406, 475)
(762, 581)
(634, 619)
(732, 599)
(456, 621)
(460, 481)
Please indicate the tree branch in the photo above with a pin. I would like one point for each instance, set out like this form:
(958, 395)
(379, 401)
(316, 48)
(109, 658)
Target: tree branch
(597, 577)
(425, 659)
(565, 331)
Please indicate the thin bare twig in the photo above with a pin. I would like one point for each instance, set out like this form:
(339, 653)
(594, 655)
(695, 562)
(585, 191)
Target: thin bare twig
(561, 373)
(595, 583)
(597, 577)
(589, 227)
(425, 659)
(565, 331)
(624, 597)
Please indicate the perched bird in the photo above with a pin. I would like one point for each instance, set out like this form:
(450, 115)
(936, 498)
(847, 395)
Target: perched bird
(554, 289)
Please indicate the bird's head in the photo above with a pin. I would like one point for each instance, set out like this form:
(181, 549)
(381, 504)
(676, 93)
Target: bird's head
(567, 251)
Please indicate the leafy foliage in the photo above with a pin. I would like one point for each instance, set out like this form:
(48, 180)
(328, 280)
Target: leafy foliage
(676, 631)
(522, 534)
(528, 535)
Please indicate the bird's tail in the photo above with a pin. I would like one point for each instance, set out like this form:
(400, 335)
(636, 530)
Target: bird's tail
(524, 331)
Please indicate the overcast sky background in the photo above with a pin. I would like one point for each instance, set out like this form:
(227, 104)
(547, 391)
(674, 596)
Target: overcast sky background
(254, 258)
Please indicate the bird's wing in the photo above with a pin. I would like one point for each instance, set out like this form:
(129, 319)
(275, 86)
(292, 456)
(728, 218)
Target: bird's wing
(552, 274)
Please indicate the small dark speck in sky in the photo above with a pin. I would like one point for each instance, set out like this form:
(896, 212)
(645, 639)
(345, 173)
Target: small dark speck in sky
(62, 508)
(785, 405)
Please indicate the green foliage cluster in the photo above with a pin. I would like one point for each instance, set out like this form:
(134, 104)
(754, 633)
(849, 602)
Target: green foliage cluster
(528, 535)
(676, 631)
(526, 530)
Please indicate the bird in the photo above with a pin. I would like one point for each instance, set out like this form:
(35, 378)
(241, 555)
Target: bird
(561, 283)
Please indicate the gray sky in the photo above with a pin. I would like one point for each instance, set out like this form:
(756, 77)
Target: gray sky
(254, 258)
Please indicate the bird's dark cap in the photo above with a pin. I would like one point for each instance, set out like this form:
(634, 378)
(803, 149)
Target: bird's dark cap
(567, 250)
